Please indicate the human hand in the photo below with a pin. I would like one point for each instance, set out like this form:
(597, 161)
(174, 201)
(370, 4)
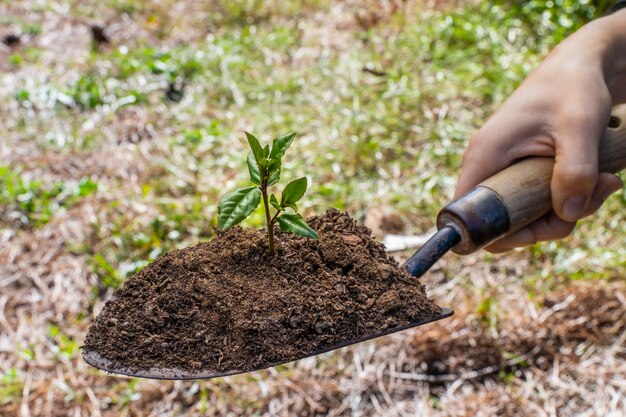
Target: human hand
(560, 110)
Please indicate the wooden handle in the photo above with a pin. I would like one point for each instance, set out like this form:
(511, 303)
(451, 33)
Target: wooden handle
(524, 187)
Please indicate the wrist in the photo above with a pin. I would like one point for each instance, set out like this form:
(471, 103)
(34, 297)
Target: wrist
(611, 30)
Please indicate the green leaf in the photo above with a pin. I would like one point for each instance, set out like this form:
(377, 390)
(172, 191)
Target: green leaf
(294, 223)
(253, 168)
(280, 146)
(266, 151)
(257, 150)
(273, 165)
(294, 206)
(236, 206)
(274, 177)
(293, 192)
(274, 171)
(274, 202)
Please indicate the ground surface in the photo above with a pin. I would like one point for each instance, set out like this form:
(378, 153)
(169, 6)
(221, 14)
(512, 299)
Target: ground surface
(122, 123)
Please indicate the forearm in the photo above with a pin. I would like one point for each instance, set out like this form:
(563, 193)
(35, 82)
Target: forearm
(612, 29)
(599, 46)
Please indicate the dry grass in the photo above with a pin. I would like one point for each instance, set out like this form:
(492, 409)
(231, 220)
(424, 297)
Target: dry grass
(506, 352)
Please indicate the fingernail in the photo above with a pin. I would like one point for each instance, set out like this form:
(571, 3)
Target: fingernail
(573, 207)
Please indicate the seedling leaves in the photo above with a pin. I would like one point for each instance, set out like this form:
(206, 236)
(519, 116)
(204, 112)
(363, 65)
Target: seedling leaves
(273, 168)
(273, 165)
(280, 146)
(274, 203)
(294, 223)
(293, 192)
(237, 205)
(274, 176)
(253, 168)
(257, 150)
(264, 167)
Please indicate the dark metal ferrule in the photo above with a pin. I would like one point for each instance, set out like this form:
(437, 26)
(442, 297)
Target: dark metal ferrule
(432, 250)
(479, 216)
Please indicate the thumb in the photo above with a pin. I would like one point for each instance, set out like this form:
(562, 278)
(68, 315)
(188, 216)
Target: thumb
(576, 168)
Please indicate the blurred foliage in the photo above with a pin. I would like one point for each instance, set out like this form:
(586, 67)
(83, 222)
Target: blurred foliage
(62, 345)
(90, 91)
(11, 386)
(33, 203)
(383, 110)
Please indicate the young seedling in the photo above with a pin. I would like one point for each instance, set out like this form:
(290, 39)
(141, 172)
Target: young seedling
(264, 165)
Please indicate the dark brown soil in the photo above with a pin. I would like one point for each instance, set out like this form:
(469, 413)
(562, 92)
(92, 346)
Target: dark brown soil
(225, 305)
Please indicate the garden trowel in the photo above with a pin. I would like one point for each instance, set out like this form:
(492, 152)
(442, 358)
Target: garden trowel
(500, 205)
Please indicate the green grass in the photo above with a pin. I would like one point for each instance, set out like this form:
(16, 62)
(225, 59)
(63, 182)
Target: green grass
(11, 386)
(31, 203)
(63, 346)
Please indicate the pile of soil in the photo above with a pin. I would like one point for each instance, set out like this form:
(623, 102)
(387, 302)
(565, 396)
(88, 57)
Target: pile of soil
(226, 306)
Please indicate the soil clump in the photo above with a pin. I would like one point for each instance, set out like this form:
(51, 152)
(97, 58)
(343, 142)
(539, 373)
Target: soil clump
(225, 305)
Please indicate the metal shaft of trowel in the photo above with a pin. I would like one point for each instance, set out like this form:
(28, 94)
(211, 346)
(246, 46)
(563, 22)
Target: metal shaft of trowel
(465, 225)
(432, 250)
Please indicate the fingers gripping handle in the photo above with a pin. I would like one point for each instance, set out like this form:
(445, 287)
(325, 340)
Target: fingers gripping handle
(520, 194)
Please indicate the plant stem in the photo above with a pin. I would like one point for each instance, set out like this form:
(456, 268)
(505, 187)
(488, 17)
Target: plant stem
(275, 216)
(268, 219)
